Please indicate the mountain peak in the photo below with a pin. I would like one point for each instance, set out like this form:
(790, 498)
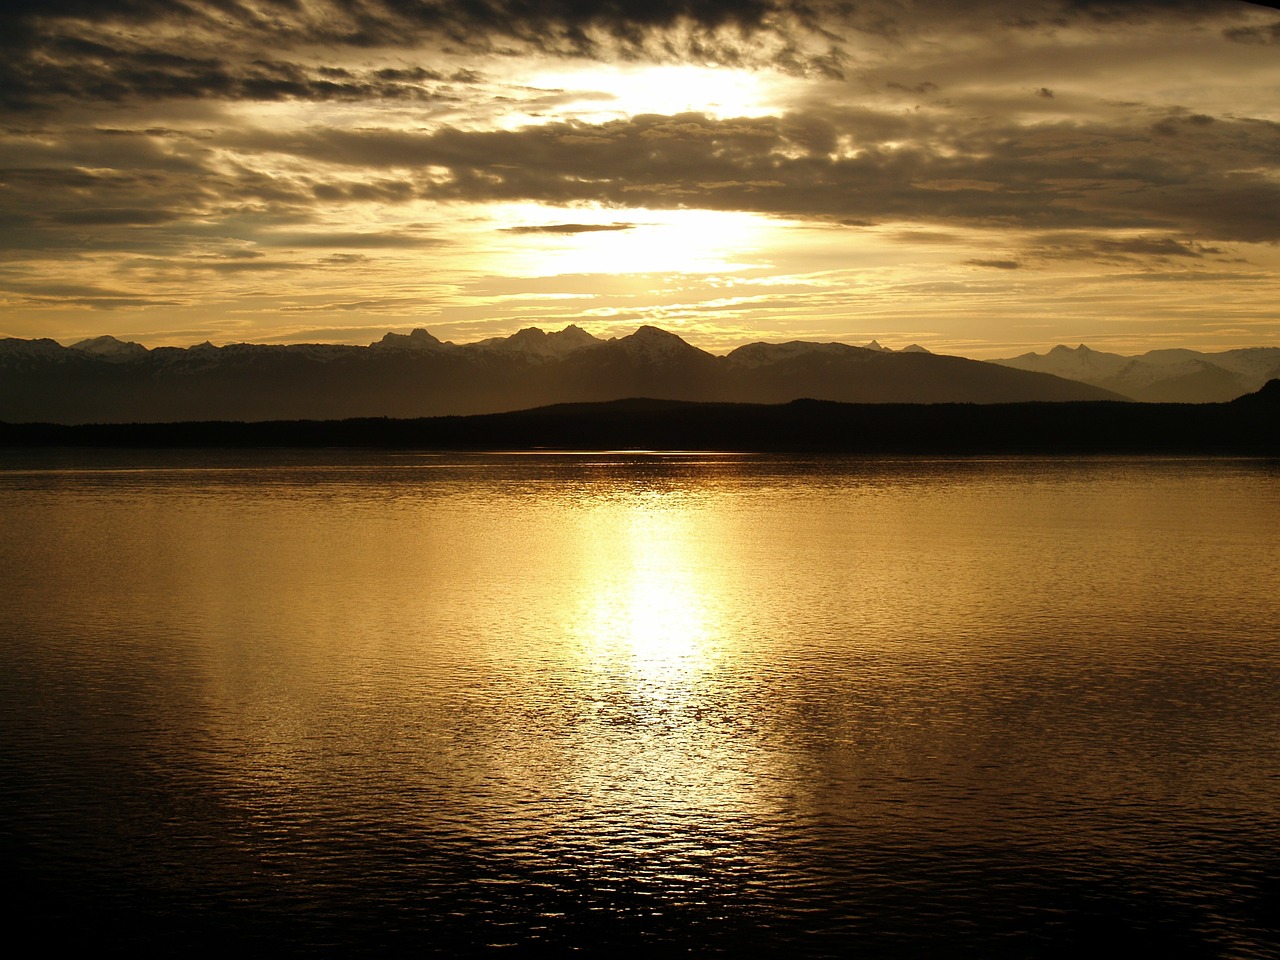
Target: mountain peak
(417, 339)
(109, 348)
(534, 341)
(649, 332)
(416, 375)
(574, 334)
(653, 344)
(652, 337)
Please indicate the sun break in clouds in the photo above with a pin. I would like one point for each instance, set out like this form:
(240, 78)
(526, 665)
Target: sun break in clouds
(983, 181)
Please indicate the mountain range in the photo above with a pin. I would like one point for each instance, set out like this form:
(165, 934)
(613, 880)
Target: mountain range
(1160, 376)
(106, 380)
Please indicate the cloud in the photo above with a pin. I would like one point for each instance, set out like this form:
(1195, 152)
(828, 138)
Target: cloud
(1157, 247)
(94, 296)
(60, 51)
(923, 88)
(325, 239)
(120, 50)
(1046, 176)
(117, 216)
(346, 259)
(1121, 250)
(205, 143)
(1258, 33)
(571, 228)
(251, 266)
(996, 264)
(367, 305)
(1173, 125)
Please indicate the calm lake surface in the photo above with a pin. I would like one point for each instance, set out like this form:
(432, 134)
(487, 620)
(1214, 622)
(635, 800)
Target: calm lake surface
(603, 703)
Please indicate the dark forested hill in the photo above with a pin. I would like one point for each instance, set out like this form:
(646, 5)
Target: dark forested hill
(1247, 426)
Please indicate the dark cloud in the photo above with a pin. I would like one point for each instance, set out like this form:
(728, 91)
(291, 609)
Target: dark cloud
(1157, 247)
(924, 87)
(1050, 176)
(121, 75)
(93, 296)
(114, 51)
(571, 228)
(346, 259)
(1173, 125)
(373, 305)
(251, 266)
(398, 239)
(366, 191)
(1116, 11)
(1196, 276)
(75, 49)
(1254, 34)
(995, 264)
(926, 236)
(114, 217)
(1123, 250)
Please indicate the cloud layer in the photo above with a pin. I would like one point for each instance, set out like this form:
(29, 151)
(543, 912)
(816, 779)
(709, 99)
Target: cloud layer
(227, 166)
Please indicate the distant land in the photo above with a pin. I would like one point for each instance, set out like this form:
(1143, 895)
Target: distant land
(106, 380)
(1160, 376)
(1247, 426)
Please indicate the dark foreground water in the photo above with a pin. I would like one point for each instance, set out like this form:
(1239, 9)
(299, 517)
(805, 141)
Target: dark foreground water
(613, 704)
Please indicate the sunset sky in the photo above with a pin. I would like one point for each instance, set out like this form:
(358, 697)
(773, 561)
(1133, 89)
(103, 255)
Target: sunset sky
(982, 179)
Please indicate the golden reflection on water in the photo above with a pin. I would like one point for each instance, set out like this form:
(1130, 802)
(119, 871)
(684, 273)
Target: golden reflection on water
(662, 756)
(655, 690)
(648, 607)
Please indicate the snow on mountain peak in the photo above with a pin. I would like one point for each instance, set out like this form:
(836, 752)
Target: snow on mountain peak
(534, 341)
(654, 343)
(109, 348)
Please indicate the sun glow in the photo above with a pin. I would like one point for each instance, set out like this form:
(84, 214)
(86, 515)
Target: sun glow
(601, 92)
(541, 241)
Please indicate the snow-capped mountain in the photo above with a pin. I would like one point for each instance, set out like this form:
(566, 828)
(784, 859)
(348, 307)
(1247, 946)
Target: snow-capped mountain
(1163, 376)
(416, 374)
(109, 348)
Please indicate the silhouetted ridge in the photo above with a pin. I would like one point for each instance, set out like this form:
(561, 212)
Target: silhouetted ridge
(809, 425)
(1267, 395)
(1160, 376)
(111, 348)
(416, 374)
(418, 339)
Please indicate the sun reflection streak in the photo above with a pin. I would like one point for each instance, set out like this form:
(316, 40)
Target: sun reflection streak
(650, 616)
(661, 753)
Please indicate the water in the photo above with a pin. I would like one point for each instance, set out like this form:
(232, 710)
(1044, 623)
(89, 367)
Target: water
(522, 704)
